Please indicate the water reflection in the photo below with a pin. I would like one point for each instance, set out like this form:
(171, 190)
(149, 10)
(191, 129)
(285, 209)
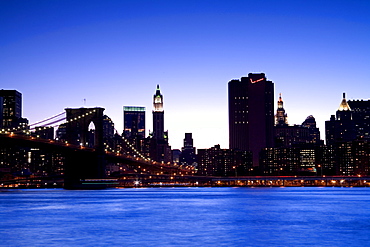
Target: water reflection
(186, 216)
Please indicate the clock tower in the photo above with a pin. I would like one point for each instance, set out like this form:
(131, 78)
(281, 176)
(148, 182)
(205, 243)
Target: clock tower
(158, 115)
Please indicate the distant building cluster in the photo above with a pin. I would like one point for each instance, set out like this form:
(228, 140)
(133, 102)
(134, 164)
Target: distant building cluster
(261, 140)
(281, 149)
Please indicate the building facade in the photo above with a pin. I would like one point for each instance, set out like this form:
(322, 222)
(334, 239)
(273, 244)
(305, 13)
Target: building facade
(341, 127)
(361, 117)
(11, 113)
(251, 117)
(188, 156)
(134, 121)
(159, 149)
(224, 162)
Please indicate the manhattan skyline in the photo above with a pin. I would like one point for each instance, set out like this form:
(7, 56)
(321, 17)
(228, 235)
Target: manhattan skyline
(114, 53)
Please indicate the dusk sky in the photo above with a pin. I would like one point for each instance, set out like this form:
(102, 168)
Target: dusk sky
(114, 53)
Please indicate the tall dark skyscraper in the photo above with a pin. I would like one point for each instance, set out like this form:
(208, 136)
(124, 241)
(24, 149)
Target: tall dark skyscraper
(158, 115)
(251, 117)
(134, 121)
(159, 148)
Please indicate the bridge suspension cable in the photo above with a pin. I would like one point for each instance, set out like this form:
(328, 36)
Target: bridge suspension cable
(53, 125)
(47, 119)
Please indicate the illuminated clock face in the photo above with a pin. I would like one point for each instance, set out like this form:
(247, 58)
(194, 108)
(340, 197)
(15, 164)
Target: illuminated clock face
(157, 100)
(256, 80)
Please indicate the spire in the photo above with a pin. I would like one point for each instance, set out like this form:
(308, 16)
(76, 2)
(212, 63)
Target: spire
(280, 101)
(281, 117)
(344, 105)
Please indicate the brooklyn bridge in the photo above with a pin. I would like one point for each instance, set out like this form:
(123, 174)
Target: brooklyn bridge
(85, 165)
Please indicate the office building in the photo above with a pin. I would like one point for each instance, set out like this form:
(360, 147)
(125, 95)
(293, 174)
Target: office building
(11, 109)
(251, 117)
(158, 116)
(188, 156)
(159, 149)
(341, 127)
(224, 162)
(134, 121)
(361, 117)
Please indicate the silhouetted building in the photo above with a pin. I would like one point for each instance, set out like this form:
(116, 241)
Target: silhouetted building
(158, 116)
(251, 117)
(361, 151)
(303, 159)
(314, 132)
(134, 127)
(159, 148)
(340, 128)
(224, 162)
(134, 121)
(361, 117)
(287, 136)
(12, 110)
(188, 156)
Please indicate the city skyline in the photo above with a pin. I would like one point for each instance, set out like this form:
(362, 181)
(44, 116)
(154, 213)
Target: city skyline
(113, 54)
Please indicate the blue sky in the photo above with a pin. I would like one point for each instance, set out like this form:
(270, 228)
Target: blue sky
(114, 53)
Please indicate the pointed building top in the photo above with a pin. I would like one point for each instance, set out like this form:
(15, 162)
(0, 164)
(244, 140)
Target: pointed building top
(157, 91)
(344, 105)
(281, 117)
(158, 100)
(280, 101)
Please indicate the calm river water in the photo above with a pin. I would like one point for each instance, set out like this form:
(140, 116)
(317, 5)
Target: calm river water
(302, 216)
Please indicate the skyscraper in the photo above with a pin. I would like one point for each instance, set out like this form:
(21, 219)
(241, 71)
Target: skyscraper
(341, 127)
(12, 108)
(158, 115)
(251, 117)
(134, 127)
(134, 121)
(159, 148)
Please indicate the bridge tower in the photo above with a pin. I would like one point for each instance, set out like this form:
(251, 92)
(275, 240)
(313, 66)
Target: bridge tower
(79, 165)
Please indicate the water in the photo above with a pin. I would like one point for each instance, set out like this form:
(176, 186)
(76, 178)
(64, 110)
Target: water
(302, 216)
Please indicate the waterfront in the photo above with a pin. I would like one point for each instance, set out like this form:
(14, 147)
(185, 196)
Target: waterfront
(223, 216)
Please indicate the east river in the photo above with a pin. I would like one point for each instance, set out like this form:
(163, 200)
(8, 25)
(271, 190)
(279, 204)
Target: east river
(222, 216)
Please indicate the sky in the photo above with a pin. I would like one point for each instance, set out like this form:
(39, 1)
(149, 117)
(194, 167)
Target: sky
(113, 53)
